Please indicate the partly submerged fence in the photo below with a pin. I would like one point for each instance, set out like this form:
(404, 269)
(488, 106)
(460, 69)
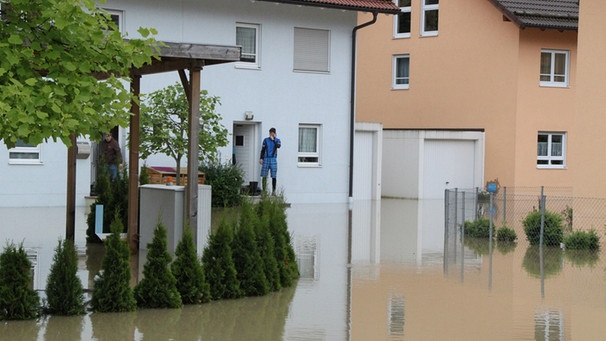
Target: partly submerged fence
(510, 205)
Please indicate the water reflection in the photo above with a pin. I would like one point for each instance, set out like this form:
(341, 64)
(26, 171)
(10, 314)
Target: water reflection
(381, 271)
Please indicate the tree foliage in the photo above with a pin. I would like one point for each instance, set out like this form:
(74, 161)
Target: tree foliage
(187, 269)
(112, 291)
(51, 54)
(17, 300)
(64, 291)
(165, 125)
(158, 288)
(218, 264)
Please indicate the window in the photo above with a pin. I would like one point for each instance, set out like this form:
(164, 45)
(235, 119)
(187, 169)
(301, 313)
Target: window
(311, 50)
(402, 20)
(429, 18)
(24, 153)
(116, 18)
(554, 68)
(309, 145)
(551, 150)
(401, 72)
(247, 36)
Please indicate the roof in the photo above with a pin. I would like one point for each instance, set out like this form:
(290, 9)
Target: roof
(379, 6)
(544, 14)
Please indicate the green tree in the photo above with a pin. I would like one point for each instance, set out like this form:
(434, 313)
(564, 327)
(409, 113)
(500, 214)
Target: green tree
(165, 125)
(64, 291)
(187, 269)
(17, 300)
(51, 56)
(112, 291)
(248, 261)
(218, 264)
(158, 288)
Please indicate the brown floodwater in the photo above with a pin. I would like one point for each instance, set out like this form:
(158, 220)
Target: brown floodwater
(373, 271)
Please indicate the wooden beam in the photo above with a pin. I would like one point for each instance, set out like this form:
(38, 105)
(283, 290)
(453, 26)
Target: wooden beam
(70, 206)
(133, 169)
(192, 153)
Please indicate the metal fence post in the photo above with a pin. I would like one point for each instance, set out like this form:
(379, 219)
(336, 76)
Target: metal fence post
(504, 205)
(542, 208)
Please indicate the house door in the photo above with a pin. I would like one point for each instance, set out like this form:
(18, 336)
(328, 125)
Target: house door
(245, 150)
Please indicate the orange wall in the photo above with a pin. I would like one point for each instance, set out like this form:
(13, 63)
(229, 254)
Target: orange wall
(480, 72)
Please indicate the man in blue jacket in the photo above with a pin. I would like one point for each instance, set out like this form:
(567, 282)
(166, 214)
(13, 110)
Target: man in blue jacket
(268, 159)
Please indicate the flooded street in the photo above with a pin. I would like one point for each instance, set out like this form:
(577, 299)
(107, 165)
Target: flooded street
(380, 271)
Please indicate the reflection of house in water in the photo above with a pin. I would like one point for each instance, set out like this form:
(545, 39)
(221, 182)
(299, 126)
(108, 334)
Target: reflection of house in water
(307, 249)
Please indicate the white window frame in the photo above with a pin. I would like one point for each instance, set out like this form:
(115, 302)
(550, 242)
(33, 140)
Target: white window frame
(311, 50)
(24, 149)
(396, 77)
(301, 156)
(424, 9)
(553, 161)
(257, 54)
(120, 15)
(396, 26)
(552, 73)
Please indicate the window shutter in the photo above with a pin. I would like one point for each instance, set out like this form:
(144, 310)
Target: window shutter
(311, 50)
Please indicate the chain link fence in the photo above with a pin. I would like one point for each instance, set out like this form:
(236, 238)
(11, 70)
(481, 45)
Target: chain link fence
(510, 206)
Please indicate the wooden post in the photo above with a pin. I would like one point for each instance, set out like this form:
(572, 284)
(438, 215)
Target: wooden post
(70, 207)
(133, 169)
(193, 147)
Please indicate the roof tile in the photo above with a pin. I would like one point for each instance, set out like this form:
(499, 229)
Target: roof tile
(546, 14)
(382, 6)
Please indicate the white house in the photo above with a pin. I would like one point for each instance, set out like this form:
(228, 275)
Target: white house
(295, 74)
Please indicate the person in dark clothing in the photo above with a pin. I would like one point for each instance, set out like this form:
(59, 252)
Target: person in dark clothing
(268, 159)
(111, 155)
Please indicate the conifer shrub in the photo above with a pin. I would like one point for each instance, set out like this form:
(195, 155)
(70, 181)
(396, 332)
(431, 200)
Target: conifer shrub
(218, 264)
(247, 259)
(272, 209)
(506, 234)
(266, 246)
(64, 291)
(552, 228)
(187, 269)
(582, 240)
(18, 301)
(112, 291)
(480, 228)
(158, 288)
(113, 195)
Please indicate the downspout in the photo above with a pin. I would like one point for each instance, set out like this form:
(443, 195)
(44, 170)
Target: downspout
(352, 114)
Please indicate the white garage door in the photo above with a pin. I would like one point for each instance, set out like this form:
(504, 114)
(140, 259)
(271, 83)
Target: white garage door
(448, 164)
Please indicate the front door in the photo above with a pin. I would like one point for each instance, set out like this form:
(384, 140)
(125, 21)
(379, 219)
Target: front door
(245, 151)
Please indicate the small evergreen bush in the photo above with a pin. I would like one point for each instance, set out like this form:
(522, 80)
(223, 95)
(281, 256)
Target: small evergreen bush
(158, 288)
(18, 301)
(506, 234)
(267, 246)
(247, 259)
(64, 291)
(112, 291)
(226, 181)
(553, 231)
(218, 264)
(582, 240)
(113, 195)
(187, 269)
(479, 228)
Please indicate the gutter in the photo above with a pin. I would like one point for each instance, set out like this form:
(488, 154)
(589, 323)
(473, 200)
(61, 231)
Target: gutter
(352, 113)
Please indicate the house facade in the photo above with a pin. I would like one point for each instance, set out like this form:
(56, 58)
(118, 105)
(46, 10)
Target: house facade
(295, 74)
(482, 90)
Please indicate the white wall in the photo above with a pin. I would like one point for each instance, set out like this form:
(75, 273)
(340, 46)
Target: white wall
(277, 96)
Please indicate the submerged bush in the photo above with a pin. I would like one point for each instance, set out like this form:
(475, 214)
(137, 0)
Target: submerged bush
(187, 269)
(18, 301)
(553, 231)
(477, 229)
(158, 288)
(64, 291)
(582, 240)
(506, 234)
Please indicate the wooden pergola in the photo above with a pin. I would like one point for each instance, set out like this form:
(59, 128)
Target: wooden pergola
(172, 57)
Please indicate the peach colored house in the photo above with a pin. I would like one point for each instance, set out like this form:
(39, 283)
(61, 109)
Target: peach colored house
(476, 90)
